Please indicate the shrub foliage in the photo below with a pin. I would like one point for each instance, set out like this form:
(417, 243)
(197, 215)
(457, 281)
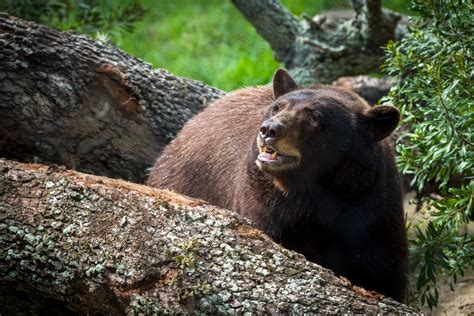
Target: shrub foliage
(435, 71)
(83, 16)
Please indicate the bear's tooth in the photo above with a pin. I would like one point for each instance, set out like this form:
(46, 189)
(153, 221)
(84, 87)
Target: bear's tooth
(274, 155)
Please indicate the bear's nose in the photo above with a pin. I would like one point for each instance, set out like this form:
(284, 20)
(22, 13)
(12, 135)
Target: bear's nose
(270, 129)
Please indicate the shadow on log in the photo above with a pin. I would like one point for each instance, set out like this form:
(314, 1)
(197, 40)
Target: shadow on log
(77, 243)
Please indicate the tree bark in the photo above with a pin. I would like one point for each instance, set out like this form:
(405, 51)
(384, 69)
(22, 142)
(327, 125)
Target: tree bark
(77, 243)
(322, 49)
(273, 22)
(69, 100)
(371, 89)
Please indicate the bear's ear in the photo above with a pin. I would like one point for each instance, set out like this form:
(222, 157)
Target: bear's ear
(381, 121)
(282, 83)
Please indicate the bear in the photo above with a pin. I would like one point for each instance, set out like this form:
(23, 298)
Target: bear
(313, 167)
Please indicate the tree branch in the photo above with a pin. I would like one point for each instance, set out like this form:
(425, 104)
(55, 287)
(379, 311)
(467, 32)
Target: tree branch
(72, 242)
(324, 48)
(376, 25)
(69, 100)
(273, 22)
(371, 89)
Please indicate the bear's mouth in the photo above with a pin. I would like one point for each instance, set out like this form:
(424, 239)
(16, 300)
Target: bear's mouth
(271, 157)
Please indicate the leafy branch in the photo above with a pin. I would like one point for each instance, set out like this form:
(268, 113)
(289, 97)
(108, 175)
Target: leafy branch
(434, 67)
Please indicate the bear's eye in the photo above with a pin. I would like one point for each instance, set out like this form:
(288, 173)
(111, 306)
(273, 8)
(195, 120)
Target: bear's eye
(314, 118)
(275, 109)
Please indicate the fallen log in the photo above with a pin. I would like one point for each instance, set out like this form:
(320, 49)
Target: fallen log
(83, 244)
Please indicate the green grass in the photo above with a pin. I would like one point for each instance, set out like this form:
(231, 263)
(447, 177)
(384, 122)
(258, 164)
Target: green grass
(208, 40)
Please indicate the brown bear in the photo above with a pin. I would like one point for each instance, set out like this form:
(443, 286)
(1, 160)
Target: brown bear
(312, 167)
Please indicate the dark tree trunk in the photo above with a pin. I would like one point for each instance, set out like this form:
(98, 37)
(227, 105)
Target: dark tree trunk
(76, 243)
(322, 49)
(69, 100)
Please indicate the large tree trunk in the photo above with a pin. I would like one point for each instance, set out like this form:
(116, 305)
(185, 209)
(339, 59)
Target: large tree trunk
(72, 242)
(69, 100)
(322, 49)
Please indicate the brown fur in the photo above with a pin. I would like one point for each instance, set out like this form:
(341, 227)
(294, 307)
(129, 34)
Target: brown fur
(202, 166)
(338, 201)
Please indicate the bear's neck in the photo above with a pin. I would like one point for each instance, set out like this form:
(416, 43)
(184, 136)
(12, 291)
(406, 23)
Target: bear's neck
(298, 198)
(317, 203)
(351, 178)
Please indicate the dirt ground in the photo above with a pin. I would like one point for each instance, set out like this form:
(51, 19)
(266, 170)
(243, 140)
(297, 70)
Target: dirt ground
(452, 303)
(459, 302)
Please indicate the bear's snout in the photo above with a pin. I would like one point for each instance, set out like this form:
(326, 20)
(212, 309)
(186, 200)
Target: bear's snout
(271, 129)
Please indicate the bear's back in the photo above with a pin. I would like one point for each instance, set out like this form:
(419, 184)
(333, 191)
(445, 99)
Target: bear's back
(203, 159)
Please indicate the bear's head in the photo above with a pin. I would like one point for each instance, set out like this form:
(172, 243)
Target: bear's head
(307, 132)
